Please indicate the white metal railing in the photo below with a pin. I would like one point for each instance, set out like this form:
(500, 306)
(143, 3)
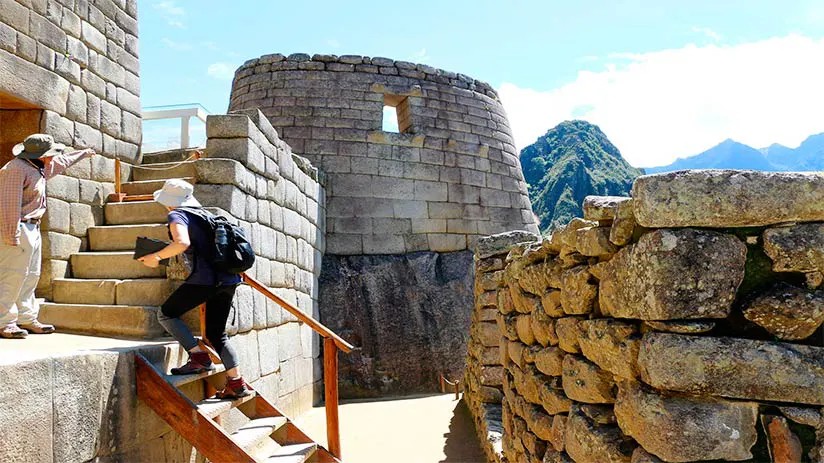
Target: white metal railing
(184, 112)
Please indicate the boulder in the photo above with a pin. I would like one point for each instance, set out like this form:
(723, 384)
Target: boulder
(594, 242)
(523, 325)
(599, 414)
(501, 243)
(674, 274)
(802, 415)
(567, 235)
(587, 442)
(799, 248)
(553, 400)
(736, 368)
(584, 382)
(727, 198)
(577, 293)
(787, 312)
(686, 429)
(602, 207)
(539, 423)
(612, 345)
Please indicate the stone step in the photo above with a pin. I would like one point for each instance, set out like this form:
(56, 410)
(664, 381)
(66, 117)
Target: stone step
(146, 187)
(112, 264)
(103, 319)
(214, 407)
(254, 436)
(165, 170)
(123, 237)
(175, 155)
(296, 453)
(143, 292)
(135, 212)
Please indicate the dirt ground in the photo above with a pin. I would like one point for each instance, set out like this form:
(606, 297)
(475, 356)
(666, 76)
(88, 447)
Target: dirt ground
(430, 429)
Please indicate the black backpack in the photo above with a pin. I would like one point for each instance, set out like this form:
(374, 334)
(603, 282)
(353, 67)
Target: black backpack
(232, 252)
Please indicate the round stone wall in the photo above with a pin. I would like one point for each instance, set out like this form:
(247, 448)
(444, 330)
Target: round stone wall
(450, 175)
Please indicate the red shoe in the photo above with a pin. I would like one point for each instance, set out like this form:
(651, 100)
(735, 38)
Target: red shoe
(235, 388)
(199, 362)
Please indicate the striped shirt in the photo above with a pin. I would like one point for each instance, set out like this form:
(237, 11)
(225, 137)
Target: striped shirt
(23, 190)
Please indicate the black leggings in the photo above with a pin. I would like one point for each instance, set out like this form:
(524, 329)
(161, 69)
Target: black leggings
(218, 301)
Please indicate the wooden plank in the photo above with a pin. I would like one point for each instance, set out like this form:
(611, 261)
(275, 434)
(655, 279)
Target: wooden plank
(330, 382)
(138, 198)
(182, 415)
(314, 324)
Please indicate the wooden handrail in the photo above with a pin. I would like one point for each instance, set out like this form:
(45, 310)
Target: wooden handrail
(314, 324)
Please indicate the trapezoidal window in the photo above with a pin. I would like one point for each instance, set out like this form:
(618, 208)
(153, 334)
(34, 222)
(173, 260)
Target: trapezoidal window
(396, 115)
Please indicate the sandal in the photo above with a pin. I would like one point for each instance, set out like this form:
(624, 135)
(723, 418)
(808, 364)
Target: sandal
(12, 331)
(38, 328)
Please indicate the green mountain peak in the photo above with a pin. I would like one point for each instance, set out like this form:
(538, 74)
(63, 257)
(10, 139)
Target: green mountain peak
(571, 161)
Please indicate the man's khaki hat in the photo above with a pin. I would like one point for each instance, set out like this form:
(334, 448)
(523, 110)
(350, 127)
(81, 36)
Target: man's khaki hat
(37, 146)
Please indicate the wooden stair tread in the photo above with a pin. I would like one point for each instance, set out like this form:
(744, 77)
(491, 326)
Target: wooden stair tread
(252, 433)
(295, 453)
(180, 380)
(213, 407)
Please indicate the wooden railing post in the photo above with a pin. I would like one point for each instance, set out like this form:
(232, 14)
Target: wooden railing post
(118, 195)
(330, 380)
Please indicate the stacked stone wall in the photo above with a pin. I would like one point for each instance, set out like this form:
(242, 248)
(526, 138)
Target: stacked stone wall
(278, 197)
(70, 69)
(682, 324)
(452, 176)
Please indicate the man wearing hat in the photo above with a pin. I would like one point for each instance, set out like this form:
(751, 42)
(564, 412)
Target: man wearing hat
(22, 205)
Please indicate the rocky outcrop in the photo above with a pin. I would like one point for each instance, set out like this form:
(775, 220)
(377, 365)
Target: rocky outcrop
(410, 333)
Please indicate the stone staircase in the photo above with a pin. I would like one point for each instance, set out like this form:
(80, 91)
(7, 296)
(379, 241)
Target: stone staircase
(110, 293)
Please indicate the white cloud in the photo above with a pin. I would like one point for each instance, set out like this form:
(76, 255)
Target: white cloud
(221, 70)
(171, 12)
(661, 105)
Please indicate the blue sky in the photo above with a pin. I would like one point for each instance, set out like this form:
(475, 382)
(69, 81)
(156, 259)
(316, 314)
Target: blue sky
(662, 78)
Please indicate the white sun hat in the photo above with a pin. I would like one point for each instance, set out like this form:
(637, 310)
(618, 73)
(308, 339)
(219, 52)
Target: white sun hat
(176, 193)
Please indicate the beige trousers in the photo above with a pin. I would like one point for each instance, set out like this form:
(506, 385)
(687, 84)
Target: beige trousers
(19, 273)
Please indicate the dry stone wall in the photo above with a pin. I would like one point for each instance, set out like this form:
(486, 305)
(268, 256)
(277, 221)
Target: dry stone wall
(278, 197)
(621, 342)
(451, 176)
(70, 69)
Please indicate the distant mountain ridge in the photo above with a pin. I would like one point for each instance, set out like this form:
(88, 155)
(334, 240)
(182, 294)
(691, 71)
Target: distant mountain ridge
(730, 154)
(571, 161)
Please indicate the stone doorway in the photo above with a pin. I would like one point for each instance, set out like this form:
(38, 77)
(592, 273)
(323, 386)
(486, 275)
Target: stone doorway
(18, 118)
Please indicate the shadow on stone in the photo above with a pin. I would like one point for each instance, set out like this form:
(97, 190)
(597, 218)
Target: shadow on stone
(462, 445)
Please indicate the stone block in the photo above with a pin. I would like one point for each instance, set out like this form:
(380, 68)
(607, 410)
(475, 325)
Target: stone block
(246, 345)
(787, 312)
(612, 345)
(430, 191)
(797, 248)
(684, 428)
(32, 432)
(727, 198)
(59, 246)
(599, 208)
(383, 244)
(269, 351)
(736, 368)
(82, 218)
(674, 274)
(588, 442)
(584, 382)
(442, 242)
(57, 218)
(392, 188)
(288, 338)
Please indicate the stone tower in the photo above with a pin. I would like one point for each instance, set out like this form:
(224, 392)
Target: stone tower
(448, 176)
